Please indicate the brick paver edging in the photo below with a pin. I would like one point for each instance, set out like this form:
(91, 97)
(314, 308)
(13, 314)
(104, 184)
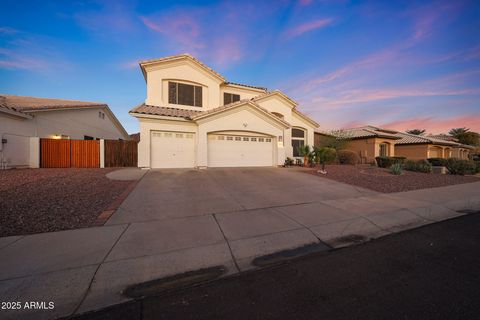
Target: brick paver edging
(107, 212)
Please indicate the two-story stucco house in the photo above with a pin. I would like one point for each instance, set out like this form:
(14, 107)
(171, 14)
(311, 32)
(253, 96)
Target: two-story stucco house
(192, 117)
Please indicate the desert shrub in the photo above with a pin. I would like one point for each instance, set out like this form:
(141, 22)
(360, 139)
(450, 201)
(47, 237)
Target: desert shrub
(289, 162)
(387, 162)
(437, 162)
(460, 167)
(396, 169)
(348, 157)
(417, 166)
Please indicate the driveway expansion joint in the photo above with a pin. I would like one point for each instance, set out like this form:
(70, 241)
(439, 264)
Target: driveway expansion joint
(228, 243)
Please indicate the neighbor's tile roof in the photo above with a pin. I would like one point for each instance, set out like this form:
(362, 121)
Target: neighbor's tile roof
(366, 132)
(408, 138)
(165, 111)
(29, 104)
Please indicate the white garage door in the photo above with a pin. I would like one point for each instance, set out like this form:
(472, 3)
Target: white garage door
(239, 151)
(172, 149)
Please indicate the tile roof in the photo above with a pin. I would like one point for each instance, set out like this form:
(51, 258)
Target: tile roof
(195, 114)
(271, 93)
(366, 132)
(246, 85)
(165, 111)
(408, 138)
(31, 104)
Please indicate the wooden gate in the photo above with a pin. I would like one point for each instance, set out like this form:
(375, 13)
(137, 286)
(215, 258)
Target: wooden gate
(121, 153)
(56, 153)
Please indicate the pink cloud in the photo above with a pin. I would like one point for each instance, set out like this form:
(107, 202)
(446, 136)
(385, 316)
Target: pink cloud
(8, 30)
(182, 29)
(436, 125)
(11, 59)
(305, 2)
(306, 27)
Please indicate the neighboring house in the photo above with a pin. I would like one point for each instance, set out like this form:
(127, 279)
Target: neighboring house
(370, 142)
(193, 117)
(423, 147)
(22, 118)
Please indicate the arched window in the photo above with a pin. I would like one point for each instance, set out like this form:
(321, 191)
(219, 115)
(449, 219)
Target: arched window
(298, 140)
(279, 115)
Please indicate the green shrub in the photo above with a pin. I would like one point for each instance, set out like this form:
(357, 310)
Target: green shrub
(289, 162)
(396, 169)
(477, 166)
(417, 166)
(460, 167)
(387, 162)
(348, 157)
(437, 162)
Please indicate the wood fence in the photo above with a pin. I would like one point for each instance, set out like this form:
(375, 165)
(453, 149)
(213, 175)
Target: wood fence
(121, 153)
(61, 153)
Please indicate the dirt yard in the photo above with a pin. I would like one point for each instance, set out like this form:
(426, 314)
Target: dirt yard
(43, 200)
(382, 180)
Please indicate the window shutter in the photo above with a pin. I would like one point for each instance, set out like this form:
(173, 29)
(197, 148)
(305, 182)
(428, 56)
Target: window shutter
(198, 96)
(172, 92)
(226, 98)
(235, 97)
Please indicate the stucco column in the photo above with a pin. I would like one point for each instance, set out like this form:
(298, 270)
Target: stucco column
(102, 153)
(34, 154)
(202, 148)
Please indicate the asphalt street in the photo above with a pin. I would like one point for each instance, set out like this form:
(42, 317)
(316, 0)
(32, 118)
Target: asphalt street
(432, 272)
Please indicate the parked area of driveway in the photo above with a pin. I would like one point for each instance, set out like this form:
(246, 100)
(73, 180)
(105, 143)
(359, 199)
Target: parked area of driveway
(45, 200)
(430, 272)
(180, 220)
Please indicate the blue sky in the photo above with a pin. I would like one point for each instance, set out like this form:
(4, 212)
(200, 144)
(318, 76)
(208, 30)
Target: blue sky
(399, 64)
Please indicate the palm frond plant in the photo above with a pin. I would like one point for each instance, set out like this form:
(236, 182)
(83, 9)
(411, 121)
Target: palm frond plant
(324, 155)
(304, 151)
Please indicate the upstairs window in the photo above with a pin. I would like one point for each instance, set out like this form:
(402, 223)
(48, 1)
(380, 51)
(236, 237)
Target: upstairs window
(230, 97)
(184, 94)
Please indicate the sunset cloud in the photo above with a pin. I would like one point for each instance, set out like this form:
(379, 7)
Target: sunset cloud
(307, 27)
(436, 124)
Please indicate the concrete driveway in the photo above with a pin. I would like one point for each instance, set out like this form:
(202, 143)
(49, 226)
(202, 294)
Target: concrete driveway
(166, 194)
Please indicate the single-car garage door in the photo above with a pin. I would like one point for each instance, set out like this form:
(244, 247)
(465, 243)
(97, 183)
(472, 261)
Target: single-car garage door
(239, 151)
(172, 149)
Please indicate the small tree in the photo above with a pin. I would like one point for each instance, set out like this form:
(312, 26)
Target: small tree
(457, 131)
(336, 139)
(470, 138)
(417, 132)
(305, 152)
(324, 155)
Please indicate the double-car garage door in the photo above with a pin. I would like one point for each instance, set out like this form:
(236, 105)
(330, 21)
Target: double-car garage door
(177, 150)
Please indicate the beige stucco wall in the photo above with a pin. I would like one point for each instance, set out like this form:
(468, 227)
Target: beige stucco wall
(412, 151)
(460, 153)
(46, 124)
(369, 149)
(186, 72)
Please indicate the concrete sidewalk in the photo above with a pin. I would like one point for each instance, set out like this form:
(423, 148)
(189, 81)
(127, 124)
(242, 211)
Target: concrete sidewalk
(87, 269)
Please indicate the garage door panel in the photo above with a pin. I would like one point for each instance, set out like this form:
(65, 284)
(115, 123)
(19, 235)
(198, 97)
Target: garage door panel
(172, 149)
(239, 151)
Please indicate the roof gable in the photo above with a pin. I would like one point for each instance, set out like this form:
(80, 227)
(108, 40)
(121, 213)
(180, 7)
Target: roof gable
(278, 95)
(239, 104)
(182, 58)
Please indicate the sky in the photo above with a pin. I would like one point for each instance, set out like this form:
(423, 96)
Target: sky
(396, 64)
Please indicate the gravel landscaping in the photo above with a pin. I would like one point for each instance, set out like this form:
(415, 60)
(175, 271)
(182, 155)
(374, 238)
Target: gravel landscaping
(382, 180)
(43, 200)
